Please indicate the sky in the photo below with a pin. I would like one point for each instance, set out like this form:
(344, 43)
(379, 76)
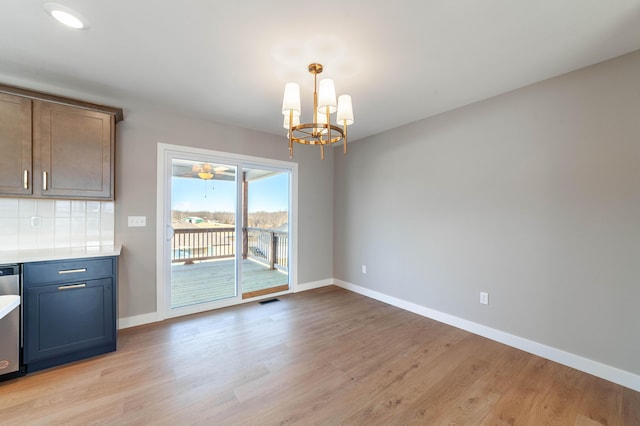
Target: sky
(268, 194)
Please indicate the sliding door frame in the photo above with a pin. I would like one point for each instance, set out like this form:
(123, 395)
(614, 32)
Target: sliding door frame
(165, 153)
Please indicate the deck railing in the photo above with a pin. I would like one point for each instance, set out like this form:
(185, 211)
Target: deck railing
(269, 246)
(202, 244)
(263, 245)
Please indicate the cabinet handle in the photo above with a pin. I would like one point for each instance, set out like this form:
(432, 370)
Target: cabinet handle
(72, 286)
(44, 181)
(25, 179)
(72, 271)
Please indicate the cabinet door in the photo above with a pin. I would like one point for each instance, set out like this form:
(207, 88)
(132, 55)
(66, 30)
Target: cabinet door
(15, 145)
(74, 148)
(64, 318)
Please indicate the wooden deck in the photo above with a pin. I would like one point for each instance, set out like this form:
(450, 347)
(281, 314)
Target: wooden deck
(213, 280)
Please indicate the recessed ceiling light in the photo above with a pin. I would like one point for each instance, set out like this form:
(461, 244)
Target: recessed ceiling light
(66, 16)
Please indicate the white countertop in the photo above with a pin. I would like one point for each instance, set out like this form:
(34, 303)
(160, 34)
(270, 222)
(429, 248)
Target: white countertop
(36, 255)
(7, 303)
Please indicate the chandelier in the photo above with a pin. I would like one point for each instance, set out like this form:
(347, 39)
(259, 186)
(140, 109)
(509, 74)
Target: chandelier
(320, 131)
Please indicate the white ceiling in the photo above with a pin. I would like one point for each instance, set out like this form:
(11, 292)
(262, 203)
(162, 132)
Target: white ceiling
(400, 60)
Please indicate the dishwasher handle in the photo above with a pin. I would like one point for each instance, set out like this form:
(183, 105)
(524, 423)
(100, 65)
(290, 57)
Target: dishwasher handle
(9, 279)
(8, 270)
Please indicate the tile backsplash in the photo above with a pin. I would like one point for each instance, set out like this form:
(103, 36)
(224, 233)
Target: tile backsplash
(41, 224)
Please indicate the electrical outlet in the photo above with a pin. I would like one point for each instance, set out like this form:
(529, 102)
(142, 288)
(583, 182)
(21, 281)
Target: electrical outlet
(484, 298)
(136, 221)
(364, 269)
(35, 221)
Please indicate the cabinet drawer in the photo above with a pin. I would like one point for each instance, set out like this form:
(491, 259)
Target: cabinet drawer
(50, 272)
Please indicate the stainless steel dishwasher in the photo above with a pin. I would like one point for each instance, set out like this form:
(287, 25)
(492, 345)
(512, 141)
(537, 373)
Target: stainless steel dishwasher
(10, 323)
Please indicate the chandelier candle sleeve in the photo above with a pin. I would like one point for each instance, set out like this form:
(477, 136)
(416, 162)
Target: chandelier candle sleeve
(296, 121)
(322, 120)
(319, 131)
(289, 121)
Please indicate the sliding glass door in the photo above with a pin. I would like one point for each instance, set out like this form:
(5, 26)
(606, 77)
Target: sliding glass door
(226, 230)
(265, 221)
(203, 219)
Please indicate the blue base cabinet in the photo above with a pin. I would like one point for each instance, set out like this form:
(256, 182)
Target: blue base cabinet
(69, 310)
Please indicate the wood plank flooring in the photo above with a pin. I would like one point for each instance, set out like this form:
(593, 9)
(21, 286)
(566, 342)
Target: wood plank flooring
(321, 357)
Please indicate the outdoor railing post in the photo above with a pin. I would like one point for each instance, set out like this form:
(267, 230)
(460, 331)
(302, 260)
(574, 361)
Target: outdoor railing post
(273, 255)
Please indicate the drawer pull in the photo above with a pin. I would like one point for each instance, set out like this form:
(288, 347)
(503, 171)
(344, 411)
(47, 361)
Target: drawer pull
(25, 179)
(45, 185)
(72, 271)
(72, 286)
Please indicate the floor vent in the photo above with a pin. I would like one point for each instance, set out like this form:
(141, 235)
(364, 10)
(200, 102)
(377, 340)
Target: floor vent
(264, 302)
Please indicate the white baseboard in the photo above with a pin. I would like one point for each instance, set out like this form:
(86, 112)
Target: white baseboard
(151, 317)
(312, 285)
(612, 374)
(137, 320)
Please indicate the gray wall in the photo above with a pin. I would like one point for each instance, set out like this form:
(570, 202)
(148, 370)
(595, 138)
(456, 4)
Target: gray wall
(136, 177)
(532, 196)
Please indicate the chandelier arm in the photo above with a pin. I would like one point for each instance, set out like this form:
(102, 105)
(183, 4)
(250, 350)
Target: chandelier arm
(307, 137)
(315, 96)
(290, 133)
(328, 123)
(345, 139)
(310, 133)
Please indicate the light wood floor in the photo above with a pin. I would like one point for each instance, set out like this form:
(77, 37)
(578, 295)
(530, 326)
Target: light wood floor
(326, 356)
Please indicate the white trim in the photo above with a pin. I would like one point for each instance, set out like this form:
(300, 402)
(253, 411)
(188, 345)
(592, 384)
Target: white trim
(137, 320)
(166, 151)
(161, 196)
(312, 285)
(613, 374)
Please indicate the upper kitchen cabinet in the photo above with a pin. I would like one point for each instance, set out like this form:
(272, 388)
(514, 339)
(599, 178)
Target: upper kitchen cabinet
(74, 150)
(56, 147)
(15, 142)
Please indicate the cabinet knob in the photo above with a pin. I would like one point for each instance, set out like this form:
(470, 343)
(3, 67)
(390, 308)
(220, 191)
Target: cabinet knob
(25, 179)
(45, 185)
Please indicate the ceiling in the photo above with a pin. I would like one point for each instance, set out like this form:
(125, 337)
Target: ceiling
(189, 169)
(228, 62)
